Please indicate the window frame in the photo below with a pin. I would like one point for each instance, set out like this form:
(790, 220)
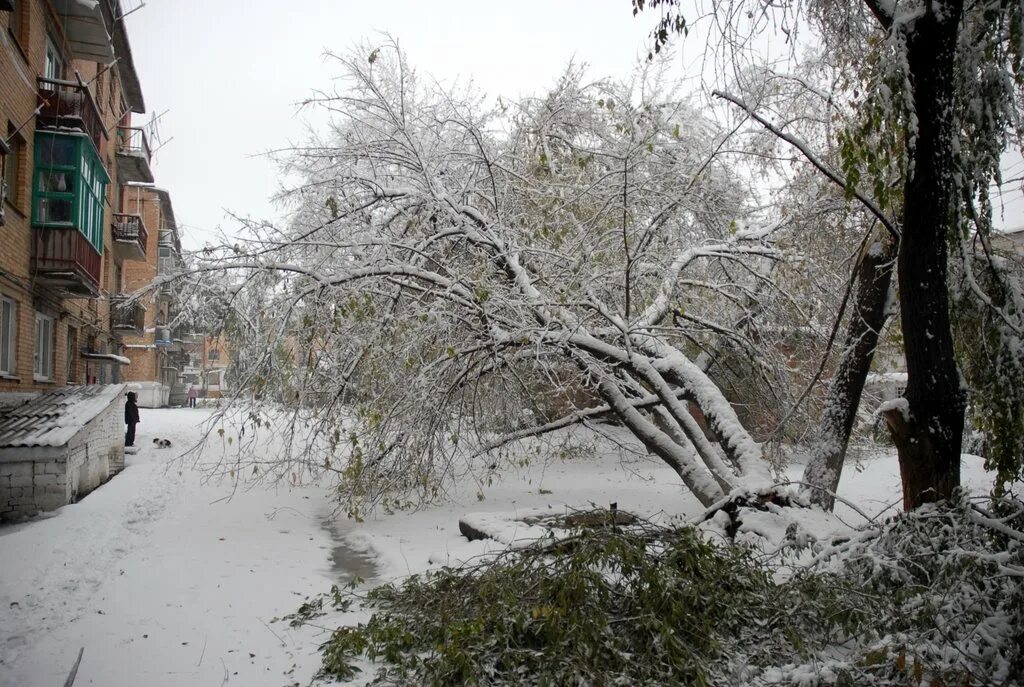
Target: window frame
(69, 363)
(43, 358)
(17, 25)
(89, 186)
(8, 315)
(54, 64)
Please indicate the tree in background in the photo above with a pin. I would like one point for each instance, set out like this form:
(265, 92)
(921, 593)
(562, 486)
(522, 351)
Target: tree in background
(938, 90)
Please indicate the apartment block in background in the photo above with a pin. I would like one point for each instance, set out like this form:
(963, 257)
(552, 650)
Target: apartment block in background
(153, 342)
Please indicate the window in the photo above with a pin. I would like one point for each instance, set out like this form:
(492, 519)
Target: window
(214, 355)
(17, 23)
(101, 75)
(71, 357)
(112, 96)
(8, 335)
(53, 68)
(43, 368)
(69, 185)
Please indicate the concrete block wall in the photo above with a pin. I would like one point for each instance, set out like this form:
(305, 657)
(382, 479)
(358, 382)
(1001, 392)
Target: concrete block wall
(45, 478)
(96, 452)
(33, 485)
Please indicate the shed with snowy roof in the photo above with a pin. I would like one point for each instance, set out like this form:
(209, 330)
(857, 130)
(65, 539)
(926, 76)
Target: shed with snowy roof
(58, 446)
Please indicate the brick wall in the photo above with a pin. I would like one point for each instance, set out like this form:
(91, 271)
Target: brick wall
(147, 360)
(21, 61)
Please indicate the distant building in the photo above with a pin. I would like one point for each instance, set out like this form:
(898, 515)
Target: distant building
(1011, 241)
(152, 342)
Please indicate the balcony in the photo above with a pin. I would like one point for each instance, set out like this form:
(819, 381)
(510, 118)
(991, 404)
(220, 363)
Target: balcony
(70, 105)
(179, 359)
(130, 237)
(165, 292)
(64, 260)
(127, 316)
(133, 155)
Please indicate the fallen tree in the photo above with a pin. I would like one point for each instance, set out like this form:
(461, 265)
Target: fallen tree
(444, 289)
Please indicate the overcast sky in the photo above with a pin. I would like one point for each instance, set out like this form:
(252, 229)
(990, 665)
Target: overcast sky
(230, 72)
(226, 75)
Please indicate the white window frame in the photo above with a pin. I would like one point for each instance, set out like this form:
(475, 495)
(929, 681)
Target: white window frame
(53, 67)
(42, 369)
(8, 336)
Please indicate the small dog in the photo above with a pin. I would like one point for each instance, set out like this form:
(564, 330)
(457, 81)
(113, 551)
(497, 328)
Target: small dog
(162, 443)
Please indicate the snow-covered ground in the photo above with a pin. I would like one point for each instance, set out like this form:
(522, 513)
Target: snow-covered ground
(164, 580)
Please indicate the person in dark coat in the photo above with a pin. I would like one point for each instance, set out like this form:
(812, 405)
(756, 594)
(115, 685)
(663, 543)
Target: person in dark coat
(131, 418)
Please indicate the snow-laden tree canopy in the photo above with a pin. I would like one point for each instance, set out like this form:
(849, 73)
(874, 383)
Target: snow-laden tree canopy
(457, 277)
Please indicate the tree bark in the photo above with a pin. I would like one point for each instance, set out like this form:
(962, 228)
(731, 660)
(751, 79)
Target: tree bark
(928, 437)
(874, 278)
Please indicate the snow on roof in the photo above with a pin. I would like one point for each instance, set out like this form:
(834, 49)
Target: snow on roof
(53, 418)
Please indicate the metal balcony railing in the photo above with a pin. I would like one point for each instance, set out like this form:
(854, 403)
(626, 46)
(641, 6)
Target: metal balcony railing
(69, 104)
(64, 259)
(134, 155)
(131, 140)
(131, 230)
(127, 315)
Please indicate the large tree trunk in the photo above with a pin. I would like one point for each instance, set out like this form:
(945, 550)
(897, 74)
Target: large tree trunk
(929, 429)
(874, 279)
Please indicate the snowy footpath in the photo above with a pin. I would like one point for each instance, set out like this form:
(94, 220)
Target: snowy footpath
(166, 579)
(163, 579)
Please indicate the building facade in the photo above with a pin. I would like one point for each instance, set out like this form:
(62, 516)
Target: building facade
(156, 349)
(68, 90)
(73, 235)
(82, 226)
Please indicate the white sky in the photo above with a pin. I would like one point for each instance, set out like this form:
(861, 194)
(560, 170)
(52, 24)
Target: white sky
(229, 74)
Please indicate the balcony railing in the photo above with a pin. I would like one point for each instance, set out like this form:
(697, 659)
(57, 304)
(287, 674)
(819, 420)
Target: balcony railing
(65, 260)
(134, 155)
(69, 104)
(126, 315)
(130, 236)
(165, 292)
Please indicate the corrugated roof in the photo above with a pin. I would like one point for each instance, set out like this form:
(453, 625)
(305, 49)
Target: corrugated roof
(53, 418)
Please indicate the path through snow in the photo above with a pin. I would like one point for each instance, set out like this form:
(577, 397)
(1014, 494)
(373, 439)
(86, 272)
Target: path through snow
(163, 580)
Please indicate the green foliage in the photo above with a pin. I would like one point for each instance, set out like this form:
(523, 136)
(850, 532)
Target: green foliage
(989, 355)
(646, 606)
(872, 148)
(607, 608)
(672, 22)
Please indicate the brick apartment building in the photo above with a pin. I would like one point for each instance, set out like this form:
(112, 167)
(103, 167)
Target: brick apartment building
(82, 225)
(153, 345)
